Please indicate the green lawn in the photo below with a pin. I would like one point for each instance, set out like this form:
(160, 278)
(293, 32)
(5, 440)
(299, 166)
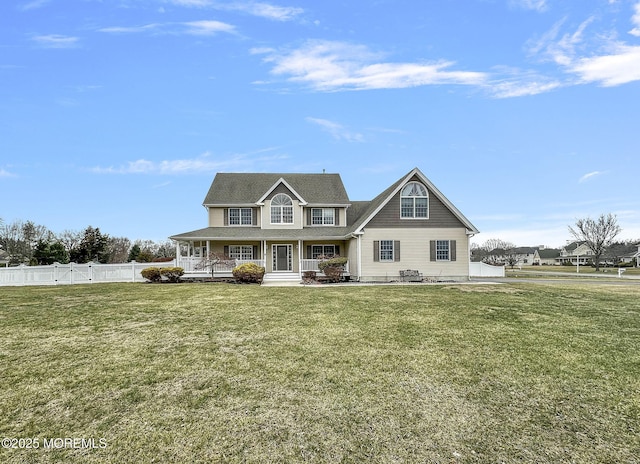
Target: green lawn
(416, 373)
(584, 270)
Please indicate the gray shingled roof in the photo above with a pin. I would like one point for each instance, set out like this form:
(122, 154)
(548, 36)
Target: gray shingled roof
(248, 188)
(256, 233)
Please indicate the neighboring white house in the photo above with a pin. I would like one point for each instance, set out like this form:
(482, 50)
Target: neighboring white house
(574, 253)
(287, 222)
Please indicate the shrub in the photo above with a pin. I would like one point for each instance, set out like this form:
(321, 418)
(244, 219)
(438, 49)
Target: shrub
(152, 274)
(248, 273)
(309, 276)
(333, 268)
(172, 274)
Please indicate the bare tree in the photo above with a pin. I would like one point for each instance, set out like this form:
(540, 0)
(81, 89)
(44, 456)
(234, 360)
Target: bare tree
(212, 260)
(597, 234)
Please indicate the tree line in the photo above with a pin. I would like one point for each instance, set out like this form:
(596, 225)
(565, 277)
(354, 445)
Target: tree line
(24, 242)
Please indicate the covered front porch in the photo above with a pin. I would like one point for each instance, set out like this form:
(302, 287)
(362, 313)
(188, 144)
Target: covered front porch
(217, 258)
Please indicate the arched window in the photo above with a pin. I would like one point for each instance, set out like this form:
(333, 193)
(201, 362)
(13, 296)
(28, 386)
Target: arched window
(414, 201)
(281, 209)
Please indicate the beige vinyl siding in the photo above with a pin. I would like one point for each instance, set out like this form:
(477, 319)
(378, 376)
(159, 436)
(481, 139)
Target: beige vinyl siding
(216, 217)
(414, 246)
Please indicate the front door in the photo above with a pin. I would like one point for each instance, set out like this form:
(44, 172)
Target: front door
(282, 258)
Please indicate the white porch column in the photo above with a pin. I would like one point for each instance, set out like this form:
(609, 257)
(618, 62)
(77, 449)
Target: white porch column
(178, 253)
(300, 258)
(264, 253)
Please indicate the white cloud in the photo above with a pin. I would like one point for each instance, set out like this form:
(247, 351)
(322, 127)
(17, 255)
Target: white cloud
(332, 66)
(265, 10)
(129, 29)
(206, 163)
(260, 9)
(5, 173)
(336, 130)
(208, 27)
(620, 67)
(33, 5)
(56, 41)
(203, 27)
(595, 58)
(590, 176)
(536, 5)
(636, 21)
(518, 83)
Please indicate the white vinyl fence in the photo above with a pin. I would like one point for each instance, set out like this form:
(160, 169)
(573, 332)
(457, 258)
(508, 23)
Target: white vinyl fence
(485, 270)
(66, 274)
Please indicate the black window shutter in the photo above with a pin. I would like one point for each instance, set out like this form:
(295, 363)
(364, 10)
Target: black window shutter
(309, 217)
(226, 216)
(376, 250)
(432, 250)
(452, 250)
(226, 250)
(337, 252)
(396, 250)
(254, 216)
(309, 252)
(337, 215)
(255, 252)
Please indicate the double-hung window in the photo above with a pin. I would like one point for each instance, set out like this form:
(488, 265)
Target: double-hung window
(386, 250)
(240, 216)
(323, 216)
(443, 250)
(281, 209)
(244, 252)
(326, 251)
(414, 201)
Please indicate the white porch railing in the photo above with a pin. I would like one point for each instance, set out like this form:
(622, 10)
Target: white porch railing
(198, 265)
(312, 265)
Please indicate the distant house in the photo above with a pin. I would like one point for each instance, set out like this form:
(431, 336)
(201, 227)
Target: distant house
(4, 258)
(575, 253)
(517, 256)
(546, 256)
(289, 222)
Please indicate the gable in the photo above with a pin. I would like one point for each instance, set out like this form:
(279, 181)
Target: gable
(439, 215)
(384, 210)
(282, 188)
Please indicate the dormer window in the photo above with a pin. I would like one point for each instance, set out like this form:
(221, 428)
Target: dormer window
(414, 201)
(281, 209)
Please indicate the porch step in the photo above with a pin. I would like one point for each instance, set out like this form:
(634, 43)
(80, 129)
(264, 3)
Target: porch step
(281, 278)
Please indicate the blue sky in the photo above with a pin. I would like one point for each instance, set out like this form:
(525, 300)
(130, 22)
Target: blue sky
(117, 114)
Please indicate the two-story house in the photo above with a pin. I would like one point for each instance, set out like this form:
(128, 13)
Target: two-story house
(287, 222)
(575, 253)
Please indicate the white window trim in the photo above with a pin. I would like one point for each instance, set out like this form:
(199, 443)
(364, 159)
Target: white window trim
(240, 217)
(413, 198)
(281, 207)
(242, 252)
(448, 250)
(323, 247)
(393, 252)
(323, 216)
